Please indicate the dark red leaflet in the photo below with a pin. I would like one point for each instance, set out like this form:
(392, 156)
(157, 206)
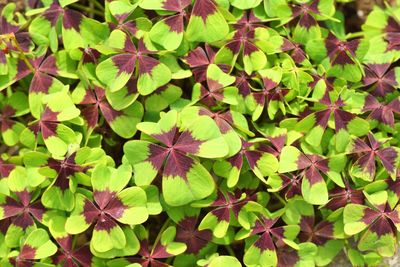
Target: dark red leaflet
(392, 25)
(368, 150)
(11, 207)
(222, 124)
(360, 146)
(24, 197)
(342, 58)
(5, 118)
(264, 242)
(90, 211)
(213, 86)
(248, 22)
(91, 115)
(167, 138)
(249, 48)
(307, 21)
(342, 119)
(65, 243)
(19, 262)
(252, 157)
(394, 186)
(72, 19)
(294, 188)
(236, 161)
(175, 23)
(243, 83)
(22, 70)
(3, 59)
(150, 258)
(382, 112)
(102, 198)
(23, 220)
(197, 58)
(303, 162)
(367, 163)
(370, 216)
(383, 226)
(388, 158)
(108, 112)
(278, 142)
(105, 223)
(290, 185)
(90, 97)
(36, 209)
(176, 5)
(318, 234)
(115, 208)
(177, 164)
(203, 9)
(324, 230)
(62, 259)
(287, 257)
(392, 34)
(109, 208)
(53, 13)
(157, 155)
(223, 214)
(322, 117)
(48, 129)
(27, 252)
(49, 66)
(393, 215)
(147, 64)
(6, 27)
(313, 175)
(339, 51)
(83, 256)
(340, 197)
(187, 144)
(41, 83)
(5, 168)
(124, 62)
(194, 239)
(90, 55)
(263, 225)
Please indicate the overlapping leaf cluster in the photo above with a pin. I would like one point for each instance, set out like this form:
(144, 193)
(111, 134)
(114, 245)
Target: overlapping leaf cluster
(198, 133)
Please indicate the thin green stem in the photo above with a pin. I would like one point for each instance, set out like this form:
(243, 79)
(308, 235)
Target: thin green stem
(97, 4)
(87, 9)
(230, 250)
(165, 225)
(354, 34)
(74, 241)
(280, 198)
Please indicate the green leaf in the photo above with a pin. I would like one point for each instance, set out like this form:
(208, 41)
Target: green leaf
(209, 28)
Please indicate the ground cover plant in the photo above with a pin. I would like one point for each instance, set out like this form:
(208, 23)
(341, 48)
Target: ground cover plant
(198, 133)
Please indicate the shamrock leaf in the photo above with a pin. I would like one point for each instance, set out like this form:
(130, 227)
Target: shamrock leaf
(201, 138)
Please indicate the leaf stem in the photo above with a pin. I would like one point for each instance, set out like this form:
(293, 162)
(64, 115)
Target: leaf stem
(279, 198)
(165, 225)
(354, 34)
(230, 250)
(97, 4)
(87, 9)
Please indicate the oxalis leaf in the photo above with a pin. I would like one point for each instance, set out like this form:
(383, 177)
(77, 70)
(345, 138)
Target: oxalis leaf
(198, 133)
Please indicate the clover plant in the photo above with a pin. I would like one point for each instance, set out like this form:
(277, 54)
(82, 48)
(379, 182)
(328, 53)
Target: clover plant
(198, 133)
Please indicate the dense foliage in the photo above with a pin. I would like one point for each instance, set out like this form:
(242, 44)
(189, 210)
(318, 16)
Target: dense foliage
(206, 132)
